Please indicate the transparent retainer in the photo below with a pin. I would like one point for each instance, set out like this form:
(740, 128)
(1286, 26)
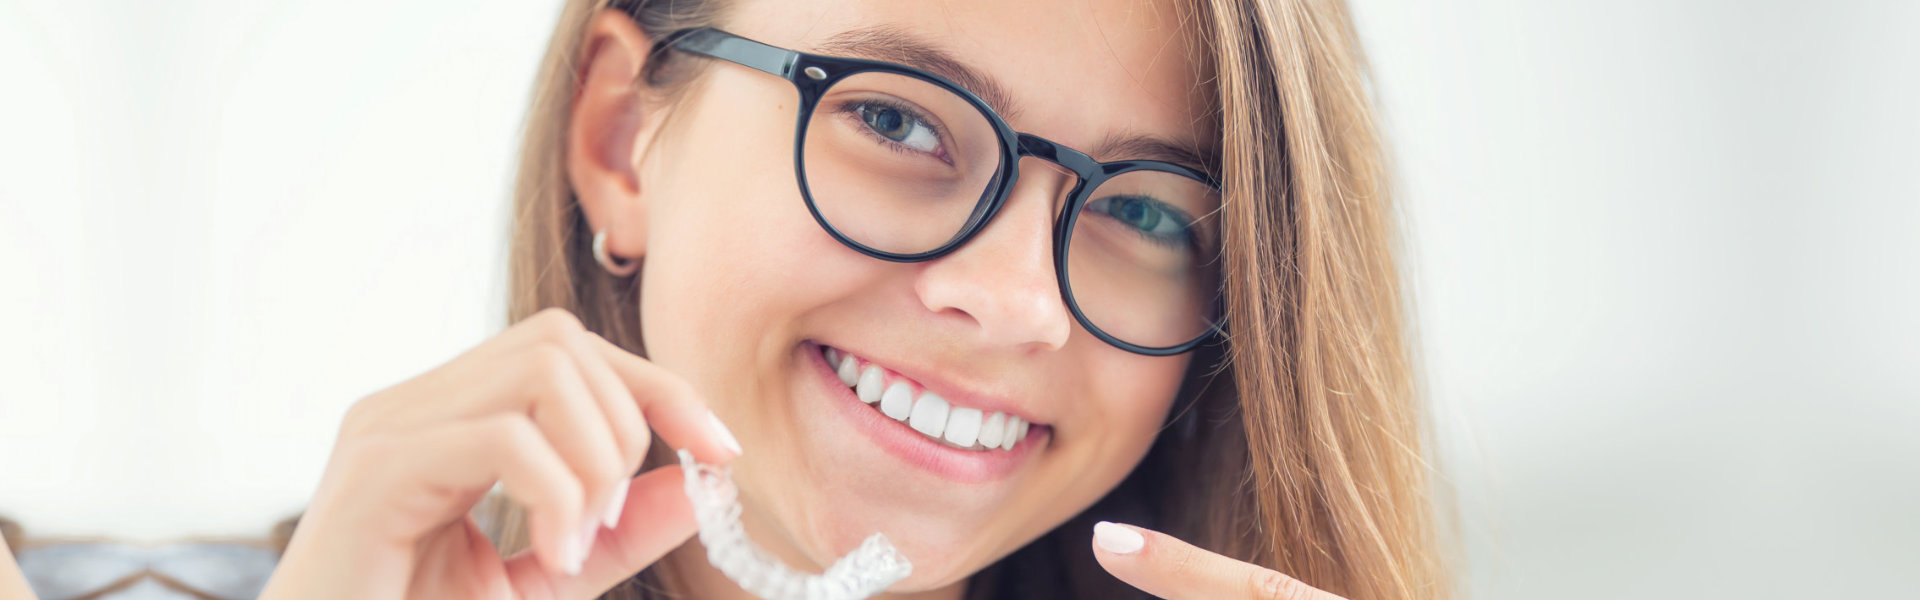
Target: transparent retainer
(865, 571)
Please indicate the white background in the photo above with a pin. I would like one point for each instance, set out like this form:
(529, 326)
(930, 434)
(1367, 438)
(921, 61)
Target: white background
(1664, 259)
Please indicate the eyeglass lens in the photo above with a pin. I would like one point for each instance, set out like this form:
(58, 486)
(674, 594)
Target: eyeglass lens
(902, 165)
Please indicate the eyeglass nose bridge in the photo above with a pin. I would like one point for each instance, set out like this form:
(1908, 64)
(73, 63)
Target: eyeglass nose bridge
(1078, 162)
(1086, 171)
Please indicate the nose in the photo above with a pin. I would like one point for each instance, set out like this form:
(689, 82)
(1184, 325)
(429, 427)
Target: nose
(1002, 281)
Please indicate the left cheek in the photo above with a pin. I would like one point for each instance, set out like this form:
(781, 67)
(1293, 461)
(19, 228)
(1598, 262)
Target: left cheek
(781, 260)
(727, 275)
(1141, 387)
(1133, 395)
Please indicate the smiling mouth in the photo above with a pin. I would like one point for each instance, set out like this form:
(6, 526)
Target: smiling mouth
(937, 419)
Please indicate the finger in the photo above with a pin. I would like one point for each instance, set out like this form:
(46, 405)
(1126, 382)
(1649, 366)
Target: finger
(573, 420)
(473, 383)
(625, 428)
(509, 449)
(535, 328)
(671, 407)
(604, 438)
(659, 519)
(621, 415)
(1169, 568)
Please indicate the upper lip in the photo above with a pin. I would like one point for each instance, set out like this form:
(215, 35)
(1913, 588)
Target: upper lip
(946, 387)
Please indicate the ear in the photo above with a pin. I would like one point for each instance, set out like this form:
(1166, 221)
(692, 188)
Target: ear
(612, 122)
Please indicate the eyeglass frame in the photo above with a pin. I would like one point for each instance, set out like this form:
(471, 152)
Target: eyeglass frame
(813, 74)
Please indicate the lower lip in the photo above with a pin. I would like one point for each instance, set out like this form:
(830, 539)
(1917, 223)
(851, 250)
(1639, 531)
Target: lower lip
(909, 445)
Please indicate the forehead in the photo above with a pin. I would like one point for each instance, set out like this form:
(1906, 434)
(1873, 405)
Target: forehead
(1076, 71)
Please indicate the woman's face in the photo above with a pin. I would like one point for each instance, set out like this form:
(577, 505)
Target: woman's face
(742, 290)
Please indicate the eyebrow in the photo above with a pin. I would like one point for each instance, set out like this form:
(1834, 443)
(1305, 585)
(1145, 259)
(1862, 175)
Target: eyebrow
(1145, 147)
(891, 44)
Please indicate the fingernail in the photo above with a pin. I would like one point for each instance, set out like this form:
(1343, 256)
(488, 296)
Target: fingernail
(616, 504)
(583, 545)
(726, 436)
(1116, 539)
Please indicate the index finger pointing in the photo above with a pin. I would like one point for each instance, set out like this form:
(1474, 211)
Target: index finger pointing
(1161, 565)
(671, 407)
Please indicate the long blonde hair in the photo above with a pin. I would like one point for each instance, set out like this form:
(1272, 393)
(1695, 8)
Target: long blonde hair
(1297, 443)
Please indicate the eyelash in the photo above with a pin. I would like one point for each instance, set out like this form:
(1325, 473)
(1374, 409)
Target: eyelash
(852, 110)
(1190, 229)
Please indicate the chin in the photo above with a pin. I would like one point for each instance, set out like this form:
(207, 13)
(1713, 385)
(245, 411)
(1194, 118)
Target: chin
(856, 471)
(943, 550)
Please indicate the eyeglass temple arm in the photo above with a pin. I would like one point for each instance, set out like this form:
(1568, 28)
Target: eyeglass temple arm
(707, 41)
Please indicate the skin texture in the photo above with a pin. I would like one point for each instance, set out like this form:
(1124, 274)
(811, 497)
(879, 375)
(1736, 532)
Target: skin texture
(702, 188)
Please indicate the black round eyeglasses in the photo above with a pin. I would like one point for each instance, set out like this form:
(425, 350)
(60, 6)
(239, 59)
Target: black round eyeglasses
(905, 165)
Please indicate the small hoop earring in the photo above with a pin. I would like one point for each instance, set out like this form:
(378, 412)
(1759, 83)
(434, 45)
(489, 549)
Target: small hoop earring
(615, 266)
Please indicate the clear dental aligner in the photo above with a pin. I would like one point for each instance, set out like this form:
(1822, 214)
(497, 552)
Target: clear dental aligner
(863, 572)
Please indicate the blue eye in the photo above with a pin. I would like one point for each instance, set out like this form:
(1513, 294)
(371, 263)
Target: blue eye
(899, 126)
(1153, 219)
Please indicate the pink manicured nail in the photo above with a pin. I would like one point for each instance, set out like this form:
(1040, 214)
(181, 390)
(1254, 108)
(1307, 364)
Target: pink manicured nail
(1116, 539)
(583, 545)
(726, 436)
(616, 504)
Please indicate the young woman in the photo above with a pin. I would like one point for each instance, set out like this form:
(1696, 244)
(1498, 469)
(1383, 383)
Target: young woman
(979, 276)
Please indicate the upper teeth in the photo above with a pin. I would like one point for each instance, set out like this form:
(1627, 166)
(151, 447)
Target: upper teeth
(928, 413)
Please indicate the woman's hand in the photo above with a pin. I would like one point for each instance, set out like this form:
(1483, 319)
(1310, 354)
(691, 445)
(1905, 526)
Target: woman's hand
(13, 584)
(1166, 567)
(554, 413)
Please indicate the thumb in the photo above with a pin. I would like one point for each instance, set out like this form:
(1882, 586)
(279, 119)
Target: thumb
(657, 518)
(1169, 568)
